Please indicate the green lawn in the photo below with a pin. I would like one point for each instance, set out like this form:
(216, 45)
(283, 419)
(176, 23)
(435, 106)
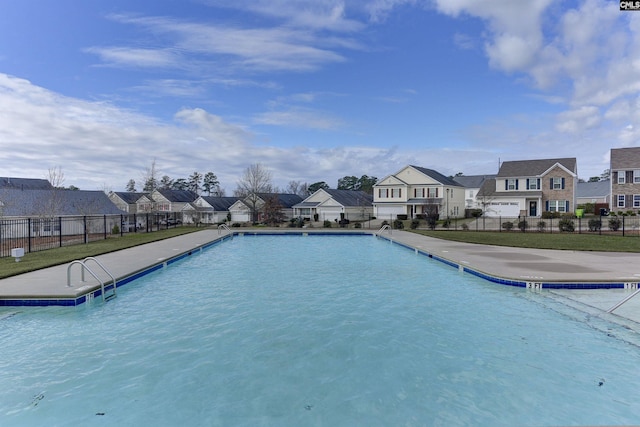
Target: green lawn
(566, 241)
(37, 260)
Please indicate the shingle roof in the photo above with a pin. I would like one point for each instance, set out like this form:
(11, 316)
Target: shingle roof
(286, 200)
(129, 197)
(437, 176)
(56, 203)
(220, 203)
(593, 189)
(25, 183)
(523, 168)
(179, 196)
(350, 197)
(625, 158)
(472, 181)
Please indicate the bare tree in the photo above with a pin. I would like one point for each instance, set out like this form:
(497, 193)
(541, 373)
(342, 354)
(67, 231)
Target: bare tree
(256, 180)
(150, 178)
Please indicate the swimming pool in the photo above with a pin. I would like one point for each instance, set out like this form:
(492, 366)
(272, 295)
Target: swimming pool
(314, 330)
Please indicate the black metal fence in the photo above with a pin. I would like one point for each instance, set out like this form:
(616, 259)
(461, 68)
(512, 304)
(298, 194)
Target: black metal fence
(38, 234)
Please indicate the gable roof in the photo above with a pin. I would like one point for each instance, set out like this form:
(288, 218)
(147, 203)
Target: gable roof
(128, 196)
(444, 180)
(57, 203)
(518, 168)
(220, 203)
(350, 197)
(178, 196)
(625, 158)
(593, 189)
(25, 183)
(472, 181)
(286, 200)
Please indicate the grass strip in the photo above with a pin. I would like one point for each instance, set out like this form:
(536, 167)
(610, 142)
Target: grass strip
(50, 257)
(563, 241)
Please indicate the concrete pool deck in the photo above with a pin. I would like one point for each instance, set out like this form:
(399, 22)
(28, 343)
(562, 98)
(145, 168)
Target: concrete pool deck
(535, 267)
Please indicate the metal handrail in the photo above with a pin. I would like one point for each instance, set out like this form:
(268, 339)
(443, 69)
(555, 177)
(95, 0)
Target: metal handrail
(95, 276)
(223, 226)
(623, 301)
(385, 227)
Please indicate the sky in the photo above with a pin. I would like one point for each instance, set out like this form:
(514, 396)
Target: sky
(313, 90)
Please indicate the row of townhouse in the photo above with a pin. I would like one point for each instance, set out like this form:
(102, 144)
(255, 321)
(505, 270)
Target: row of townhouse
(520, 188)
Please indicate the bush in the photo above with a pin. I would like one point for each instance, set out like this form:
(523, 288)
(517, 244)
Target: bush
(550, 215)
(115, 229)
(357, 225)
(326, 224)
(415, 224)
(507, 225)
(476, 213)
(614, 224)
(402, 217)
(432, 221)
(446, 223)
(398, 224)
(465, 227)
(236, 224)
(595, 224)
(315, 217)
(522, 225)
(541, 226)
(566, 224)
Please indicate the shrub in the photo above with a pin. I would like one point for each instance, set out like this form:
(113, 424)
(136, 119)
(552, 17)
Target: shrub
(566, 224)
(549, 215)
(522, 225)
(357, 225)
(315, 217)
(476, 213)
(507, 225)
(541, 226)
(614, 224)
(446, 223)
(236, 224)
(402, 217)
(595, 224)
(415, 224)
(465, 227)
(115, 229)
(432, 221)
(326, 224)
(398, 224)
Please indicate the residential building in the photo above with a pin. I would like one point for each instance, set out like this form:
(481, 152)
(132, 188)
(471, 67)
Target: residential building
(330, 204)
(472, 184)
(241, 209)
(529, 187)
(625, 179)
(593, 192)
(415, 190)
(126, 201)
(8, 183)
(171, 201)
(213, 210)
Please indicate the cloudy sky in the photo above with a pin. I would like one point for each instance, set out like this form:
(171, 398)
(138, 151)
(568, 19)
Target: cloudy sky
(312, 89)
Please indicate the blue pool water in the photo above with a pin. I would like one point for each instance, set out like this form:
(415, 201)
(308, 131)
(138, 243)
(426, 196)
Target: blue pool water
(310, 330)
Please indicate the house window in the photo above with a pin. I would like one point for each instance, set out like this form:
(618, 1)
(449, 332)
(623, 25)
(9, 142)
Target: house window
(432, 193)
(621, 203)
(396, 192)
(558, 205)
(636, 200)
(511, 184)
(533, 184)
(557, 183)
(471, 194)
(621, 177)
(636, 176)
(418, 192)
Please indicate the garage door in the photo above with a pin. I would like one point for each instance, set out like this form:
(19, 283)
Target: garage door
(329, 214)
(389, 211)
(506, 209)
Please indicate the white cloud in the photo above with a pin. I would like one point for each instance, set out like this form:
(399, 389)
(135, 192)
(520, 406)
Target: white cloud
(297, 117)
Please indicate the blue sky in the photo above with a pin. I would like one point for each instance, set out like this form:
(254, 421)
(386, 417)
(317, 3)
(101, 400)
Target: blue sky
(312, 89)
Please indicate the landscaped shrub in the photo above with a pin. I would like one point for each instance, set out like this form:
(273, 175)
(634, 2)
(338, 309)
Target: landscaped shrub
(465, 227)
(236, 224)
(402, 217)
(507, 225)
(398, 225)
(476, 213)
(446, 223)
(541, 226)
(115, 229)
(566, 224)
(614, 224)
(357, 225)
(327, 223)
(595, 224)
(549, 214)
(432, 221)
(414, 224)
(522, 225)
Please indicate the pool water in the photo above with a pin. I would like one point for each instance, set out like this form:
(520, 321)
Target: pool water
(314, 330)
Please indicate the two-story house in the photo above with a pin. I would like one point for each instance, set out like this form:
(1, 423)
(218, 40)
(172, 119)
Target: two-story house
(529, 187)
(415, 190)
(625, 179)
(472, 184)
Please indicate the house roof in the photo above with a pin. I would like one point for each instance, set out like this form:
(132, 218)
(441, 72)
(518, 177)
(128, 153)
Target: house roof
(129, 197)
(220, 203)
(593, 189)
(437, 176)
(286, 200)
(25, 183)
(57, 203)
(488, 189)
(472, 181)
(625, 158)
(178, 196)
(518, 168)
(350, 197)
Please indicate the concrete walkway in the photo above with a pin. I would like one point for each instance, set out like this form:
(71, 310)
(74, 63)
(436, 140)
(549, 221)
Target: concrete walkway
(533, 266)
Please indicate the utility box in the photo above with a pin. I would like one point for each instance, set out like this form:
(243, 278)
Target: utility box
(17, 253)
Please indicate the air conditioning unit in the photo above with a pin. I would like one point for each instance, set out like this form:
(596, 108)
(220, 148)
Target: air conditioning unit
(17, 253)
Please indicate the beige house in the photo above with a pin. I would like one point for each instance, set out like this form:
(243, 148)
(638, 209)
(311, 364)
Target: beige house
(625, 179)
(415, 190)
(529, 187)
(330, 205)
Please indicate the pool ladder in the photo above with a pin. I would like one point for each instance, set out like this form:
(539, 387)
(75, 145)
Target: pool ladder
(384, 227)
(224, 227)
(83, 264)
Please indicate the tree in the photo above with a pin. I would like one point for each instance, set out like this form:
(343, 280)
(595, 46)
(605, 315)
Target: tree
(150, 178)
(166, 182)
(297, 187)
(255, 180)
(348, 183)
(210, 183)
(194, 182)
(272, 211)
(180, 184)
(594, 179)
(317, 186)
(131, 186)
(366, 183)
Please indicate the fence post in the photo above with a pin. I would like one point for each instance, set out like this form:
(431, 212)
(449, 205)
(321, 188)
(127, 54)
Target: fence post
(121, 224)
(29, 233)
(105, 227)
(84, 222)
(622, 225)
